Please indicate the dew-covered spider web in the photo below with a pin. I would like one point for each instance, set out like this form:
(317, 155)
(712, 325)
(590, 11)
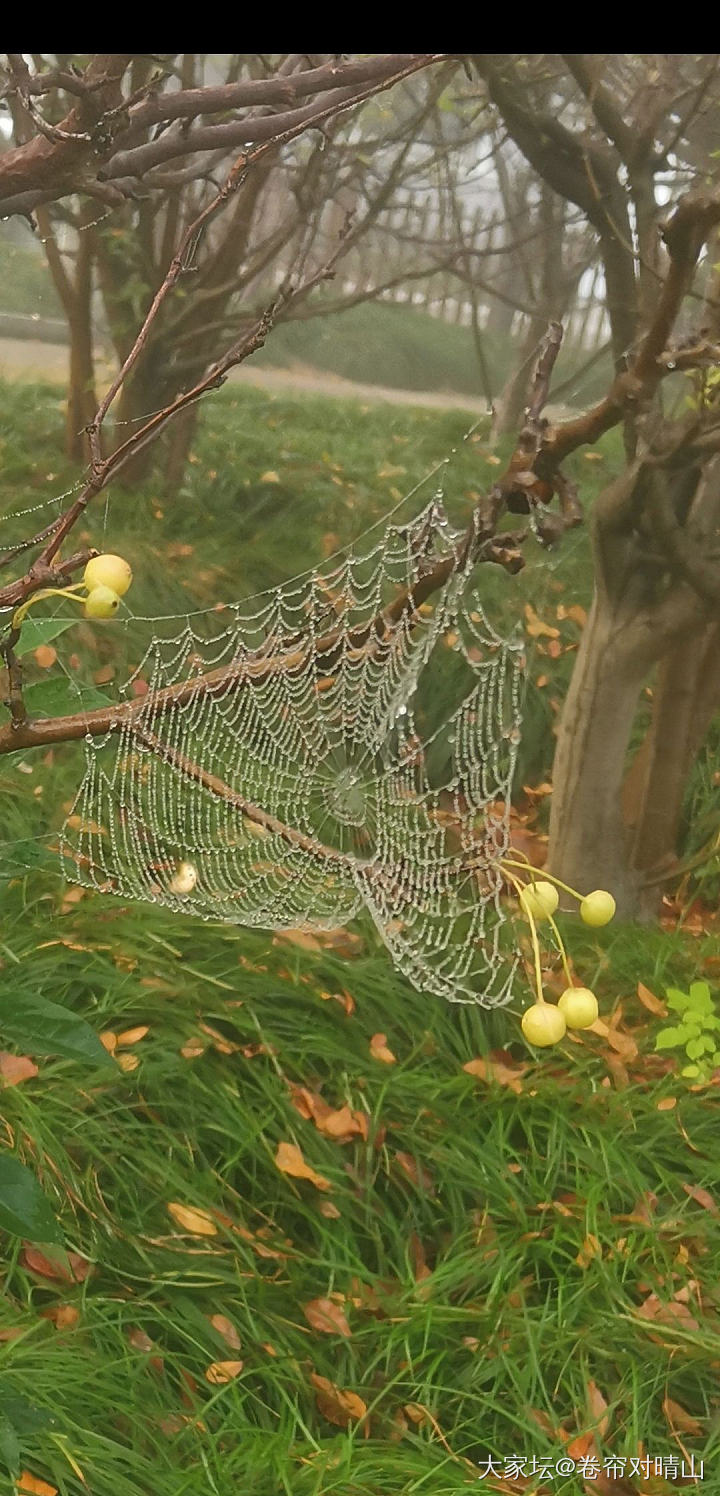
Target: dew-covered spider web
(321, 757)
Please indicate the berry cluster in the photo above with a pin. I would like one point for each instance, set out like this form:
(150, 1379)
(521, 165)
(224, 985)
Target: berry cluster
(546, 1023)
(105, 581)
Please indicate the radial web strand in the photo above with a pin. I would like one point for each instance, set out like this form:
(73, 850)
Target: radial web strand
(307, 766)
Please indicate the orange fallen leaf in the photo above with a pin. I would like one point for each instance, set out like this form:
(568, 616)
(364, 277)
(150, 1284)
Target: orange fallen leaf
(702, 1197)
(67, 1267)
(380, 1051)
(45, 656)
(140, 1341)
(598, 1408)
(415, 1172)
(651, 1002)
(128, 1062)
(488, 1069)
(192, 1048)
(337, 1404)
(535, 626)
(679, 1418)
(590, 1248)
(219, 1372)
(289, 1160)
(133, 1035)
(32, 1485)
(329, 1210)
(15, 1068)
(327, 1316)
(669, 1313)
(196, 1222)
(63, 1316)
(667, 1104)
(226, 1328)
(109, 1041)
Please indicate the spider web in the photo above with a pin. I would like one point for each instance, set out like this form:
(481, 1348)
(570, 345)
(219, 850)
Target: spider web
(303, 766)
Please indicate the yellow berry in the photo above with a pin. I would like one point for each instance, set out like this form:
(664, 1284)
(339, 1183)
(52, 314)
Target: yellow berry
(539, 899)
(579, 1007)
(543, 1024)
(597, 908)
(108, 571)
(102, 602)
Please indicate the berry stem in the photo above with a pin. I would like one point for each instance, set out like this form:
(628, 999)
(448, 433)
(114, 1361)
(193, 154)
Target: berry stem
(528, 867)
(518, 886)
(70, 592)
(561, 948)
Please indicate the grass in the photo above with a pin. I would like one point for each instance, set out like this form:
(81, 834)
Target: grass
(495, 1251)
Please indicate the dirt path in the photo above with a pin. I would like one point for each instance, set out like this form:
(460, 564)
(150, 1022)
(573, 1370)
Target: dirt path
(32, 359)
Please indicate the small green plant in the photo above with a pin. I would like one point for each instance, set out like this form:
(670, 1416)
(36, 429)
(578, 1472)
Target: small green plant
(695, 1033)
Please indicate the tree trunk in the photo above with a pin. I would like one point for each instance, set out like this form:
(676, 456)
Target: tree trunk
(686, 697)
(588, 842)
(180, 440)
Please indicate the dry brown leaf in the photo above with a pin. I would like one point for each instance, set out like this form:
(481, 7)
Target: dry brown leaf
(329, 1210)
(289, 1160)
(679, 1419)
(226, 1328)
(195, 1221)
(141, 1342)
(488, 1069)
(66, 1268)
(128, 1062)
(702, 1197)
(598, 1408)
(667, 1104)
(651, 1002)
(535, 626)
(45, 656)
(15, 1068)
(337, 1404)
(668, 1313)
(32, 1485)
(621, 1042)
(269, 477)
(109, 1041)
(575, 612)
(301, 938)
(380, 1051)
(341, 1124)
(327, 1316)
(11, 1333)
(219, 1372)
(63, 1316)
(132, 1035)
(192, 1048)
(590, 1248)
(415, 1172)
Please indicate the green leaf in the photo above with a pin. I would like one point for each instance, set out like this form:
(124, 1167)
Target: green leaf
(43, 1027)
(24, 1416)
(35, 631)
(677, 1000)
(694, 1048)
(700, 997)
(24, 1209)
(691, 1071)
(670, 1038)
(9, 1446)
(59, 697)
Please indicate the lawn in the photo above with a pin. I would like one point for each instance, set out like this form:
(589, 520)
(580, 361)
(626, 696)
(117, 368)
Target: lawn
(517, 1260)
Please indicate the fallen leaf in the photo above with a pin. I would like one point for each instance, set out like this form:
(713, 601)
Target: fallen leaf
(15, 1068)
(535, 626)
(196, 1222)
(269, 477)
(63, 1316)
(226, 1328)
(598, 1408)
(337, 1404)
(667, 1104)
(67, 1267)
(109, 1041)
(32, 1485)
(679, 1418)
(416, 1173)
(289, 1160)
(651, 1002)
(45, 656)
(329, 1210)
(671, 1314)
(575, 612)
(128, 1062)
(702, 1197)
(192, 1048)
(141, 1342)
(488, 1069)
(132, 1035)
(219, 1372)
(380, 1051)
(327, 1316)
(590, 1248)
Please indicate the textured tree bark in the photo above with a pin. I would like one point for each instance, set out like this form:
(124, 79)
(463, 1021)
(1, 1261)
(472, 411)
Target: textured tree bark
(588, 840)
(82, 399)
